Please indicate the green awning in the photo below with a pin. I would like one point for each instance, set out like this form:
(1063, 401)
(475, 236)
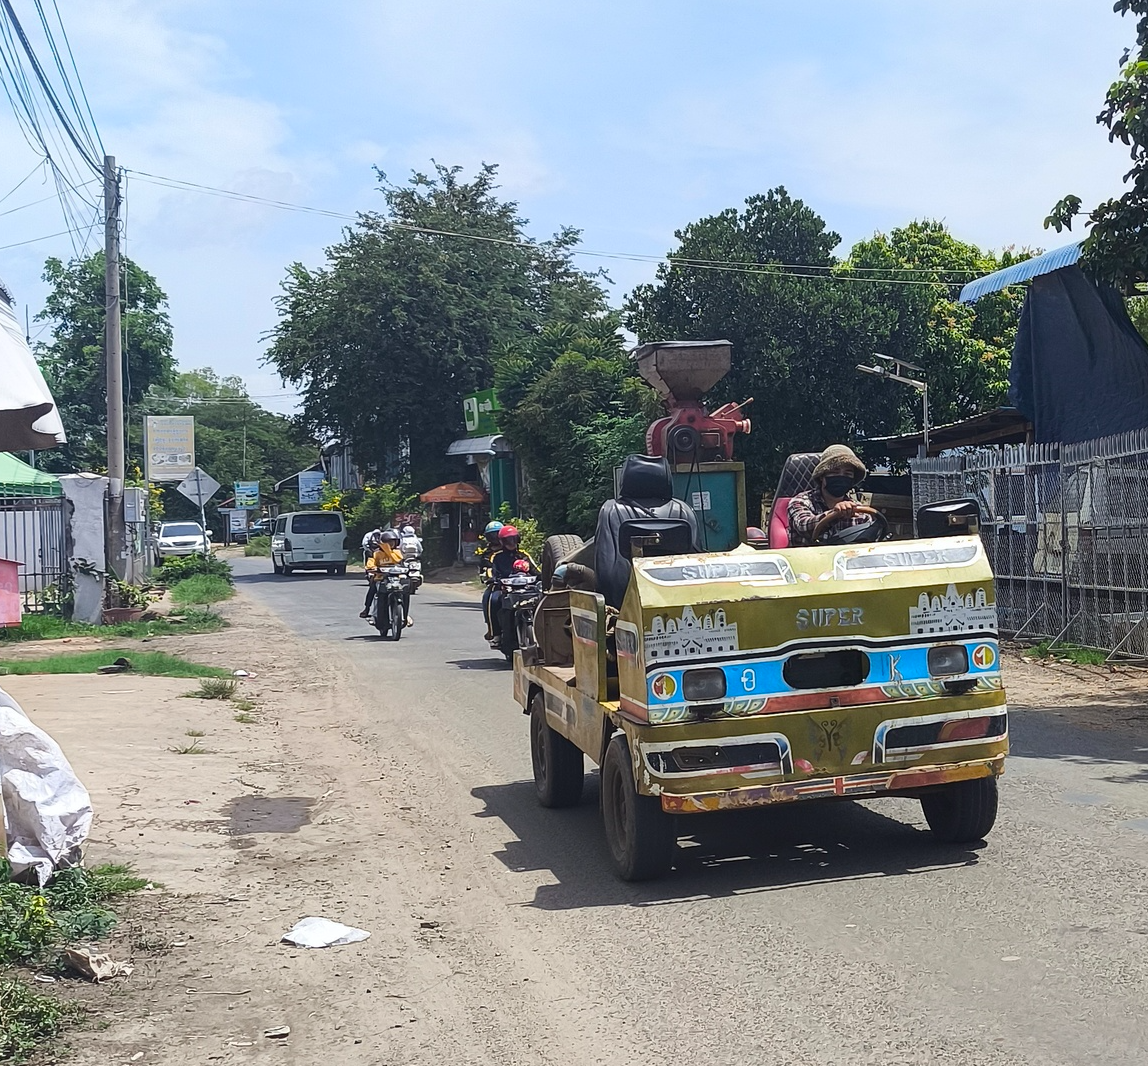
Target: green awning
(17, 478)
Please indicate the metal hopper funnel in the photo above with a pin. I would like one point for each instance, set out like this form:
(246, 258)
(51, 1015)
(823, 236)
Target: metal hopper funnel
(683, 371)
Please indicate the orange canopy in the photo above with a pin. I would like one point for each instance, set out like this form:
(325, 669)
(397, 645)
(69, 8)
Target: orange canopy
(456, 492)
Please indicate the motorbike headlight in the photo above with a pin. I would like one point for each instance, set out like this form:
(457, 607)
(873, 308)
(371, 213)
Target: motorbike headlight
(704, 685)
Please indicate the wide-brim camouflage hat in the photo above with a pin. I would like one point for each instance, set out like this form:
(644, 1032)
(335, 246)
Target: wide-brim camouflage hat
(839, 457)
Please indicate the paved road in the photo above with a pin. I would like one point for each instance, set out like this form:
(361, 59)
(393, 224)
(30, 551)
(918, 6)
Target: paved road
(829, 934)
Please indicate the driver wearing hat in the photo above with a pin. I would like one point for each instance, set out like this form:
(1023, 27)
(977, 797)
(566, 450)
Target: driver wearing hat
(830, 505)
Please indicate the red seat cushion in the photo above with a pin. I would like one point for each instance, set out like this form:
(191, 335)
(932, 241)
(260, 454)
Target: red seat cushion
(779, 523)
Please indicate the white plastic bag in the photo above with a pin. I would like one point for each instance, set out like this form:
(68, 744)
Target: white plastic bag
(47, 811)
(322, 933)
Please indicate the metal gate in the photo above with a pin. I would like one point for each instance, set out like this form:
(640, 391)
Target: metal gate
(32, 533)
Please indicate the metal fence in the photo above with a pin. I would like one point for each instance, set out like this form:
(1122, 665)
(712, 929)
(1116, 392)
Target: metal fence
(1066, 529)
(32, 532)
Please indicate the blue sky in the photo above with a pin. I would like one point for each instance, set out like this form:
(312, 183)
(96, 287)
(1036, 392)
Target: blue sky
(627, 119)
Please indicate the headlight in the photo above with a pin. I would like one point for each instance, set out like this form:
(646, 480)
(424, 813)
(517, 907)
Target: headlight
(948, 659)
(707, 685)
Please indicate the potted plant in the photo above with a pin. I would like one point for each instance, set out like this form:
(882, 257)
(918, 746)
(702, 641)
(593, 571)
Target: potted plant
(125, 602)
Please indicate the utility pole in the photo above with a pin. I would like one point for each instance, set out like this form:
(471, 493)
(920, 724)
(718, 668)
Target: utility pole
(117, 560)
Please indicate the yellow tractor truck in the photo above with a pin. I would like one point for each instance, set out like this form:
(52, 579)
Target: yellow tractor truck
(703, 681)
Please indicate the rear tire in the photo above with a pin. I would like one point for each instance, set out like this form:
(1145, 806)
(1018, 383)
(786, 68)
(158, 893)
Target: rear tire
(559, 772)
(640, 834)
(554, 550)
(340, 570)
(398, 619)
(276, 568)
(963, 811)
(288, 570)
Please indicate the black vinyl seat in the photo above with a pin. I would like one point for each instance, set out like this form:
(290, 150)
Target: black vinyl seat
(645, 507)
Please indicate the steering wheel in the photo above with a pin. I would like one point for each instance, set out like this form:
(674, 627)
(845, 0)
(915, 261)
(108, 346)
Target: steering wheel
(877, 528)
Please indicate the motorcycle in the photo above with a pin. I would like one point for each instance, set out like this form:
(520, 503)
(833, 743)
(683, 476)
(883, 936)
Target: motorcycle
(416, 569)
(387, 612)
(520, 596)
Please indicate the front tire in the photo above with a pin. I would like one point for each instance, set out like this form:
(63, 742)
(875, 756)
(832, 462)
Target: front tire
(640, 834)
(398, 620)
(963, 811)
(559, 772)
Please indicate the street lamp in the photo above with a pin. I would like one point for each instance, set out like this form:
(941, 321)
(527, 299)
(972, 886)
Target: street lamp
(897, 370)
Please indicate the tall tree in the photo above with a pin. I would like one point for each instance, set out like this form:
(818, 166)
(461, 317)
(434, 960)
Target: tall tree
(74, 362)
(235, 438)
(573, 407)
(800, 322)
(1115, 250)
(402, 321)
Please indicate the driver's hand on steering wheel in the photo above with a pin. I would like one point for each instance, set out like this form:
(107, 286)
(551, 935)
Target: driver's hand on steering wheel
(845, 509)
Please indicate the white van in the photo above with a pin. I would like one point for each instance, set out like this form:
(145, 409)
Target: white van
(309, 540)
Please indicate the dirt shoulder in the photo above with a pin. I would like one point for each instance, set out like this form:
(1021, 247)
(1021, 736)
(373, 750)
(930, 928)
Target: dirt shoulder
(289, 814)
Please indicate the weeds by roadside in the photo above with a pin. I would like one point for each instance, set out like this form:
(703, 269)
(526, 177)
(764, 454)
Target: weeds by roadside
(257, 546)
(1070, 652)
(201, 589)
(53, 627)
(35, 925)
(194, 748)
(215, 688)
(155, 663)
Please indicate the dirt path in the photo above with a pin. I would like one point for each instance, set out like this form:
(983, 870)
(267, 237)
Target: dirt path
(286, 816)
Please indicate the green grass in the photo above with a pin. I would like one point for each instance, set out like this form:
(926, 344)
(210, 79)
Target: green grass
(200, 589)
(1072, 652)
(154, 663)
(193, 748)
(28, 1019)
(216, 687)
(52, 627)
(35, 923)
(257, 546)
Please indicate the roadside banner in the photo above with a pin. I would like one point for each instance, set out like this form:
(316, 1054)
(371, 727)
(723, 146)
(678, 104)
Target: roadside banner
(237, 520)
(169, 447)
(247, 495)
(311, 486)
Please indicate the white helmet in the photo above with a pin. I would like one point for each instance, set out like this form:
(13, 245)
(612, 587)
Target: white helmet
(408, 531)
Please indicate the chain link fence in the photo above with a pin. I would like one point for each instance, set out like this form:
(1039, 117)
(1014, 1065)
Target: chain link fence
(1066, 530)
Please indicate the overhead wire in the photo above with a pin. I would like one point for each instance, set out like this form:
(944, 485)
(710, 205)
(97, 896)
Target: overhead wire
(839, 272)
(16, 187)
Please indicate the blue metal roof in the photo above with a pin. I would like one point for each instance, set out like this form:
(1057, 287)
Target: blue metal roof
(1013, 275)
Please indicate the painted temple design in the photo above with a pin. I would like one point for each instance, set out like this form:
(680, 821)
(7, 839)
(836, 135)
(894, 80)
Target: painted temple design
(953, 613)
(674, 638)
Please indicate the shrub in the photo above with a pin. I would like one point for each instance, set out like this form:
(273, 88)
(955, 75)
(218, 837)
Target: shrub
(185, 566)
(28, 1019)
(201, 588)
(531, 536)
(257, 546)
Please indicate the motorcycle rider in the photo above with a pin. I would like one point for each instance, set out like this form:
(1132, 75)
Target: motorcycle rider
(385, 551)
(410, 542)
(370, 539)
(502, 565)
(486, 552)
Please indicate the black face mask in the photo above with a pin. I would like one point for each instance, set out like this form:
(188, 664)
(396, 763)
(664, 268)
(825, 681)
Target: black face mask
(838, 485)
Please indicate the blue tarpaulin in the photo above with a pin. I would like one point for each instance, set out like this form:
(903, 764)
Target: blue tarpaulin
(1014, 275)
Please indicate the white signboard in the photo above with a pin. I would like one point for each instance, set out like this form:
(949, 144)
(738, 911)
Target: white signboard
(237, 521)
(199, 486)
(701, 501)
(311, 486)
(169, 447)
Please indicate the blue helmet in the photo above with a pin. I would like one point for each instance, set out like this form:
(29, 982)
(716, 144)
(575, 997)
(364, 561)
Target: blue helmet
(492, 529)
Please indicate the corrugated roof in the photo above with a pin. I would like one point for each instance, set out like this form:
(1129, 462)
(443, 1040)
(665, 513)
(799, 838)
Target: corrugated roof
(1013, 275)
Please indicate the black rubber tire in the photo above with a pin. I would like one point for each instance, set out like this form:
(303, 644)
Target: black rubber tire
(963, 811)
(559, 772)
(276, 568)
(340, 570)
(331, 571)
(554, 550)
(639, 833)
(287, 570)
(398, 619)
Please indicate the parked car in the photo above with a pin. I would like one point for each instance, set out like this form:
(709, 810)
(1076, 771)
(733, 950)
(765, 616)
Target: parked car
(309, 540)
(262, 528)
(181, 538)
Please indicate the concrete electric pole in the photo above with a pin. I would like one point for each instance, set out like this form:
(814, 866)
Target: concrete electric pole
(117, 560)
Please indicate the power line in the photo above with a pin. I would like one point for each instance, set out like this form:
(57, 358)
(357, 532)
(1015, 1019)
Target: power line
(16, 187)
(799, 270)
(46, 237)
